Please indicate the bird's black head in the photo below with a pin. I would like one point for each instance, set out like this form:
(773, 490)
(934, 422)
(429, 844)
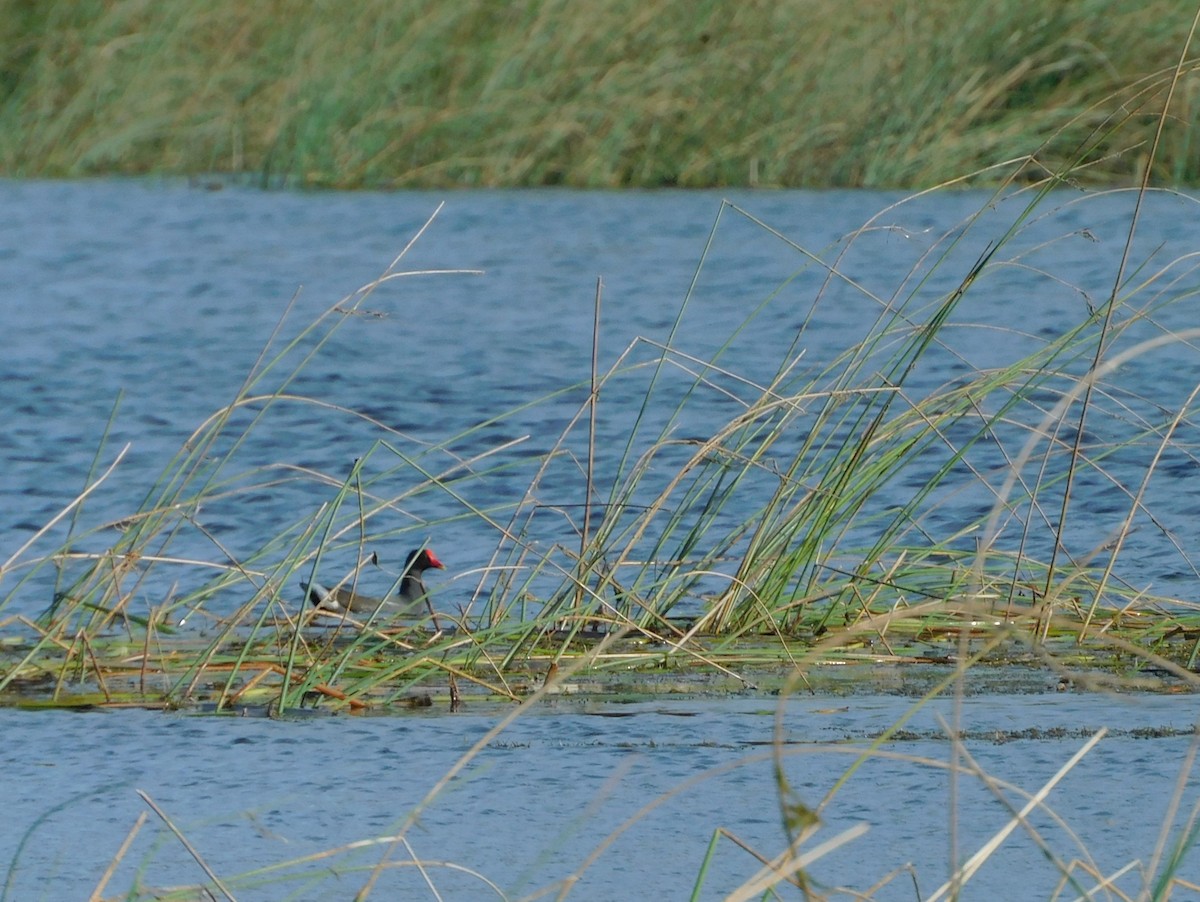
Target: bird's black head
(422, 559)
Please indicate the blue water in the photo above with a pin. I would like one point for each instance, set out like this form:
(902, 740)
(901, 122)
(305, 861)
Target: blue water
(162, 297)
(546, 794)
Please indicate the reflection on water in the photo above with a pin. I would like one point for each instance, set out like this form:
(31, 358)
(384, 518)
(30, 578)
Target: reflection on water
(554, 786)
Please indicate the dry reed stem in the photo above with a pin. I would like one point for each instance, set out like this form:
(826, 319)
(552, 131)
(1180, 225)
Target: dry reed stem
(98, 893)
(789, 863)
(964, 873)
(199, 859)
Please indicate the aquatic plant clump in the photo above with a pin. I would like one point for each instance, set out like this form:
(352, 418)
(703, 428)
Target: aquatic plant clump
(837, 506)
(854, 507)
(909, 493)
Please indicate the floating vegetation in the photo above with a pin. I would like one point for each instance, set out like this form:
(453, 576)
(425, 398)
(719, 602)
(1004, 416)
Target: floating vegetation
(775, 544)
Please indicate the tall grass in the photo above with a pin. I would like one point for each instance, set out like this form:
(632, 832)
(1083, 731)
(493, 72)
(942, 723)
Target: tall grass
(801, 93)
(678, 570)
(778, 535)
(780, 538)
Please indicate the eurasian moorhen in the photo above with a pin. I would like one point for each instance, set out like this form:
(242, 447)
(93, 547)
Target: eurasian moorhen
(408, 602)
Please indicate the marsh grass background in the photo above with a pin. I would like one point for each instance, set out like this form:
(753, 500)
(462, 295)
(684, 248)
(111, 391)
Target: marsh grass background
(665, 92)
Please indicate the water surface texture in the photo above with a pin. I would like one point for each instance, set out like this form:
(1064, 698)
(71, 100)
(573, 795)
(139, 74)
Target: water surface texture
(162, 298)
(552, 789)
(158, 299)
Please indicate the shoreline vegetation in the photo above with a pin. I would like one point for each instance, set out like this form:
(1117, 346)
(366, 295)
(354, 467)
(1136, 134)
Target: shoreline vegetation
(1042, 94)
(806, 93)
(658, 577)
(655, 587)
(791, 612)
